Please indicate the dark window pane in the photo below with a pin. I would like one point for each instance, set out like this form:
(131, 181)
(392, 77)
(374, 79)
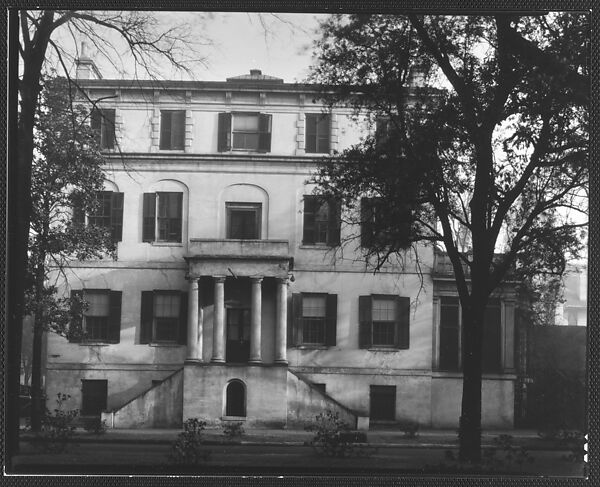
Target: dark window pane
(243, 220)
(449, 334)
(317, 133)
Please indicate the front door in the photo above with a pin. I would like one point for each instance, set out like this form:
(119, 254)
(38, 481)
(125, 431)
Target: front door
(238, 335)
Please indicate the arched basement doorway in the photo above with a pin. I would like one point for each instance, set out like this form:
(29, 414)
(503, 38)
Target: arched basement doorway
(235, 399)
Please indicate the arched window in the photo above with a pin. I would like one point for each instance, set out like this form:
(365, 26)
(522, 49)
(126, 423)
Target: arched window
(235, 399)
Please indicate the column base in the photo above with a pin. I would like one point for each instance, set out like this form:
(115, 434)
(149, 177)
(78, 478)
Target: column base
(217, 360)
(281, 362)
(193, 361)
(255, 362)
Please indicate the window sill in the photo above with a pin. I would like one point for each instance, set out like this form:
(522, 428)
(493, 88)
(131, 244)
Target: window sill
(95, 344)
(165, 344)
(233, 418)
(384, 349)
(312, 347)
(171, 151)
(166, 244)
(316, 246)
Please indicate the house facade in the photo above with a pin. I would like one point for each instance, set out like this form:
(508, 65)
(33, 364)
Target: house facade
(238, 295)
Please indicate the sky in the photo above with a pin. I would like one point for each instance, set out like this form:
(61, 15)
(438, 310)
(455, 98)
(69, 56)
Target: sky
(230, 44)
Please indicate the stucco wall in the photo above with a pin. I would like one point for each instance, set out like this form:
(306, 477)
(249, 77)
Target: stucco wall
(205, 385)
(497, 398)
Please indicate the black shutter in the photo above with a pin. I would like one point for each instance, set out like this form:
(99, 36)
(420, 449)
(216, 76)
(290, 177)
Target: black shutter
(177, 224)
(323, 134)
(308, 228)
(264, 136)
(310, 135)
(108, 129)
(224, 140)
(331, 323)
(116, 216)
(149, 217)
(96, 124)
(403, 322)
(78, 213)
(183, 319)
(165, 130)
(114, 318)
(76, 318)
(366, 222)
(297, 319)
(178, 130)
(146, 316)
(333, 225)
(365, 319)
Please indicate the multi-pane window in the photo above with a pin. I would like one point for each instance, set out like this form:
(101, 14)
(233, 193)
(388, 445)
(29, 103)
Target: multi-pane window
(384, 321)
(166, 317)
(108, 213)
(103, 122)
(314, 319)
(244, 131)
(318, 129)
(243, 220)
(163, 317)
(162, 217)
(321, 221)
(100, 319)
(172, 129)
(449, 334)
(96, 315)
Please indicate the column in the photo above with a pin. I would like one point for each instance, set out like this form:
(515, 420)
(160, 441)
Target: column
(218, 355)
(194, 330)
(256, 321)
(281, 322)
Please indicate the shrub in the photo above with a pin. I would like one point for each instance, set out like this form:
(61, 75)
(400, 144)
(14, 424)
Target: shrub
(233, 429)
(95, 426)
(333, 437)
(57, 427)
(187, 448)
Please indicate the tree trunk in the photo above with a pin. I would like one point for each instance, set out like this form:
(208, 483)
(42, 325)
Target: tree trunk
(470, 419)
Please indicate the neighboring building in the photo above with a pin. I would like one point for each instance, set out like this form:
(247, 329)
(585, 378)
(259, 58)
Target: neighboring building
(231, 298)
(572, 309)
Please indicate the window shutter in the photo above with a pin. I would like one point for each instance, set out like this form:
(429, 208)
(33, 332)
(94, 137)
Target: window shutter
(114, 318)
(149, 217)
(366, 223)
(96, 124)
(178, 201)
(308, 229)
(165, 130)
(224, 140)
(177, 130)
(78, 213)
(76, 319)
(365, 318)
(311, 133)
(183, 318)
(331, 316)
(146, 316)
(333, 230)
(297, 319)
(324, 129)
(108, 129)
(116, 217)
(403, 323)
(264, 136)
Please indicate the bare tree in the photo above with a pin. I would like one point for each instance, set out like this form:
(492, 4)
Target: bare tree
(42, 38)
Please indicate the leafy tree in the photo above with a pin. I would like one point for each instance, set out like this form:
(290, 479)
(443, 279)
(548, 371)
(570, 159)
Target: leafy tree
(37, 38)
(478, 145)
(67, 173)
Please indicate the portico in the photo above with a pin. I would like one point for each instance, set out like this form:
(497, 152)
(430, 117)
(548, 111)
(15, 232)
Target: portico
(236, 319)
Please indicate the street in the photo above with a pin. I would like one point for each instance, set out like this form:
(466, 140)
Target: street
(106, 458)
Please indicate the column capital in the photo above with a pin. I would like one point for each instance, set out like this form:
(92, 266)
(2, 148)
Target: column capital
(256, 279)
(219, 278)
(282, 280)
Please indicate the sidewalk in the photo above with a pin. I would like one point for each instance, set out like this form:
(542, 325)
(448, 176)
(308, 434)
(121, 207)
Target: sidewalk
(295, 437)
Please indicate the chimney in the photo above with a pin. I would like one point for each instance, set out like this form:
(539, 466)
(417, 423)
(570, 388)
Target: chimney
(86, 68)
(255, 72)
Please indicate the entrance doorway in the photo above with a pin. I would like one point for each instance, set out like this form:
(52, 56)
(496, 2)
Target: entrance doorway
(238, 335)
(235, 399)
(93, 397)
